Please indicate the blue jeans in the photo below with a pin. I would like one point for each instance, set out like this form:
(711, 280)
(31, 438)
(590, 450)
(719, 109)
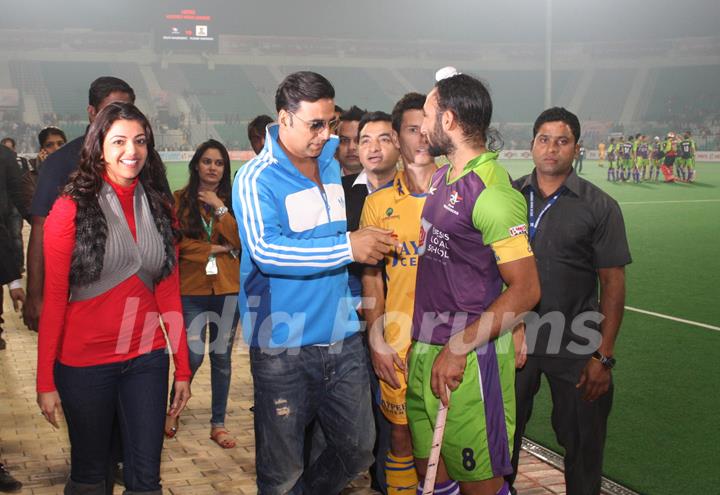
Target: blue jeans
(296, 386)
(92, 396)
(221, 312)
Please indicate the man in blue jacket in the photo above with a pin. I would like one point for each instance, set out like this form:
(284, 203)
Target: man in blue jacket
(306, 353)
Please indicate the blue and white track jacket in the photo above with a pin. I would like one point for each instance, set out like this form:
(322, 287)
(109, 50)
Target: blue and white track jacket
(294, 283)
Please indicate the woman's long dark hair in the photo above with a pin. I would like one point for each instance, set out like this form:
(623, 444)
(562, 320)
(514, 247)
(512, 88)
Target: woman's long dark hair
(85, 183)
(188, 207)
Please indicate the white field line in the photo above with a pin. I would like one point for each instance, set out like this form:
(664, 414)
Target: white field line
(669, 202)
(672, 318)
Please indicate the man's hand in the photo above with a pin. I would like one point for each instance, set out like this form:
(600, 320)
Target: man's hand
(447, 371)
(50, 406)
(182, 396)
(520, 345)
(371, 244)
(18, 298)
(384, 359)
(210, 198)
(594, 380)
(32, 307)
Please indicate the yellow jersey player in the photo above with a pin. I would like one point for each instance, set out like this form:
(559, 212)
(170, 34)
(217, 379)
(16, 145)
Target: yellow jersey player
(397, 207)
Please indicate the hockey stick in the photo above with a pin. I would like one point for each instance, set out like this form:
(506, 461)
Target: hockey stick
(434, 460)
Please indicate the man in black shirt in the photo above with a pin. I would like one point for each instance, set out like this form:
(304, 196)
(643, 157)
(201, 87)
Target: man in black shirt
(52, 179)
(578, 236)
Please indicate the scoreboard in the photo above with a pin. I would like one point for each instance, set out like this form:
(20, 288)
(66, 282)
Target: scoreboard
(187, 30)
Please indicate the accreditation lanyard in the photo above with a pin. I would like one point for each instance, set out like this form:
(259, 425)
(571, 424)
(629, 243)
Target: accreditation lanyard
(207, 226)
(535, 222)
(211, 267)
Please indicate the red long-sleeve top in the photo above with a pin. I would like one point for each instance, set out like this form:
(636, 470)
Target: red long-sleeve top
(118, 325)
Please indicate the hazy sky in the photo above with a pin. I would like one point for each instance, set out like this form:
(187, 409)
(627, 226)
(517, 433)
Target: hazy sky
(469, 20)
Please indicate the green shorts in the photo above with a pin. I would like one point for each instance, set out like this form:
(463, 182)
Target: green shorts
(642, 162)
(480, 426)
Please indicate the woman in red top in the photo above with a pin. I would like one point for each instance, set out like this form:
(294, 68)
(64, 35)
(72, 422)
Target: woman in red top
(110, 272)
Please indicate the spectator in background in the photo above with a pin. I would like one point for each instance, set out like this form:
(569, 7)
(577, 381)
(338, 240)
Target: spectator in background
(14, 220)
(209, 283)
(50, 140)
(9, 273)
(256, 132)
(347, 131)
(338, 112)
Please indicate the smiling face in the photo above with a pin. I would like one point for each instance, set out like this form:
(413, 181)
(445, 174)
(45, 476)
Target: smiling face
(125, 151)
(554, 149)
(211, 168)
(413, 144)
(378, 149)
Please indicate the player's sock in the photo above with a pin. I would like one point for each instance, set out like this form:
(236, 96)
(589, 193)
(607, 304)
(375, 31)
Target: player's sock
(504, 490)
(400, 474)
(448, 487)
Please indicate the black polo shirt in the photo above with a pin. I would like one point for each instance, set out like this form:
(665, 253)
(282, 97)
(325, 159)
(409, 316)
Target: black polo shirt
(54, 175)
(580, 233)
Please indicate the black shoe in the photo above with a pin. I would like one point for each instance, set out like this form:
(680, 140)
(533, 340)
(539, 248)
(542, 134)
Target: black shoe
(8, 484)
(3, 344)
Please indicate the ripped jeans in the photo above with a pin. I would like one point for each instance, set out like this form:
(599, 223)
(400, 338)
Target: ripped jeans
(327, 383)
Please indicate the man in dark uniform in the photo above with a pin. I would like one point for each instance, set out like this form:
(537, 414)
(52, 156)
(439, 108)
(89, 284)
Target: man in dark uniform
(578, 236)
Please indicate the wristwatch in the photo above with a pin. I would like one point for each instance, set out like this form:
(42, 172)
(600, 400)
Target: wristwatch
(608, 362)
(221, 211)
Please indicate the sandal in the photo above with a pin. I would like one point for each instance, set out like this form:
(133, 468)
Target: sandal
(223, 438)
(171, 430)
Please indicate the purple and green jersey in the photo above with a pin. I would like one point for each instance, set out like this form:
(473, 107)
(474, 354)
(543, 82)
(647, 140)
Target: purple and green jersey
(458, 276)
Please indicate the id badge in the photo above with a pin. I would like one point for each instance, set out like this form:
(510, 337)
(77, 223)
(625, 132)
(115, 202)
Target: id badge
(211, 267)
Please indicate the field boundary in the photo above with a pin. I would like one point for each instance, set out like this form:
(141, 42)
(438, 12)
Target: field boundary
(673, 318)
(548, 456)
(670, 201)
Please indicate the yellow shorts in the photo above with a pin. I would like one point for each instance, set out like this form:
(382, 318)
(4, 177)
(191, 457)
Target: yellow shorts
(392, 400)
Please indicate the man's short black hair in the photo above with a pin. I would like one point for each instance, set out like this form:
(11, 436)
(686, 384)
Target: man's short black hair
(8, 139)
(411, 101)
(469, 100)
(373, 117)
(103, 86)
(352, 114)
(50, 131)
(302, 86)
(339, 109)
(558, 114)
(257, 126)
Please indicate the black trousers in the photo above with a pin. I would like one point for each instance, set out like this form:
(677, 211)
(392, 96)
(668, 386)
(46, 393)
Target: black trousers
(580, 426)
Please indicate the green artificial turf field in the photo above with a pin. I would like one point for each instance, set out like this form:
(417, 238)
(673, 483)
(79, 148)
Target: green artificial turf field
(663, 434)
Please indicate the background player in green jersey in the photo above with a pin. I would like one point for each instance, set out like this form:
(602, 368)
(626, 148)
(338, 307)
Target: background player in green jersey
(612, 157)
(685, 161)
(656, 158)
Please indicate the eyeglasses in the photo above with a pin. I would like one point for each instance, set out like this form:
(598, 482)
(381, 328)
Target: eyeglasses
(318, 125)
